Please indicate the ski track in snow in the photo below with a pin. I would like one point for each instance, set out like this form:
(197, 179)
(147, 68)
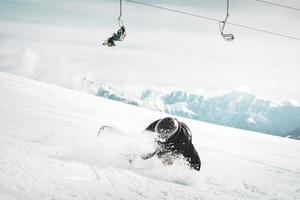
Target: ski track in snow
(49, 149)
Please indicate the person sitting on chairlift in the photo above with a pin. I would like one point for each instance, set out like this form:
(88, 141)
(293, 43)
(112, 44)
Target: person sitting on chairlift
(119, 36)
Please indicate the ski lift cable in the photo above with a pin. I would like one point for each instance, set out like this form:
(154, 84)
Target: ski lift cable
(263, 30)
(173, 10)
(215, 20)
(277, 4)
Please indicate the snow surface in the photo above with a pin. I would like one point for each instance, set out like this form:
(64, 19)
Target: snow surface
(49, 149)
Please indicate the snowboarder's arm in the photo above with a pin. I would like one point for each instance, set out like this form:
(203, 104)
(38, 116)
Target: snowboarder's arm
(195, 161)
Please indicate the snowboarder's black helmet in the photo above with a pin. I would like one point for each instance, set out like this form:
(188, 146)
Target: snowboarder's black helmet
(166, 127)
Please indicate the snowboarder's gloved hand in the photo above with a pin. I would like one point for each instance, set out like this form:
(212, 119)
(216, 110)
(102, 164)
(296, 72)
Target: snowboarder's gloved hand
(147, 156)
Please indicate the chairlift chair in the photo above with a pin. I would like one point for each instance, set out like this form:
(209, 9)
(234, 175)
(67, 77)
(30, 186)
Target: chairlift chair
(120, 34)
(227, 36)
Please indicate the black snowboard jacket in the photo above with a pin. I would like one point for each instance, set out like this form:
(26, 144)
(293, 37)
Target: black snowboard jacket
(178, 144)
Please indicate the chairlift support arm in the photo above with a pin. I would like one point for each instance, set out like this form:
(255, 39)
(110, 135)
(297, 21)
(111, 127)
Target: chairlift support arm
(225, 20)
(120, 16)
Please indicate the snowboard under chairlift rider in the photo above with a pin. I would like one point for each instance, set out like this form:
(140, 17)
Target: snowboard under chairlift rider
(119, 36)
(174, 139)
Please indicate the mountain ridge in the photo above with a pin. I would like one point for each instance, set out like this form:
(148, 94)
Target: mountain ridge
(295, 134)
(234, 108)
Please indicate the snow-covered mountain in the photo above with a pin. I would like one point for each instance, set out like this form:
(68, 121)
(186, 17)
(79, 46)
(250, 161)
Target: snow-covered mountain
(49, 149)
(295, 134)
(234, 108)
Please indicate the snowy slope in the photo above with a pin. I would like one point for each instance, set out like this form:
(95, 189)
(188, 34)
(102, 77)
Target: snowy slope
(49, 150)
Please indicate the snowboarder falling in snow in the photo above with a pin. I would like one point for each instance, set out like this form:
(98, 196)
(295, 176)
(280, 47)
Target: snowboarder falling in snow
(174, 139)
(119, 36)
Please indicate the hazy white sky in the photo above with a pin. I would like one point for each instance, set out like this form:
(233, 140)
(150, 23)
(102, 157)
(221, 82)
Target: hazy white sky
(59, 41)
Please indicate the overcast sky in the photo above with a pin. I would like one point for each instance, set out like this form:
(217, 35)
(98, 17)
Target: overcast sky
(58, 41)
